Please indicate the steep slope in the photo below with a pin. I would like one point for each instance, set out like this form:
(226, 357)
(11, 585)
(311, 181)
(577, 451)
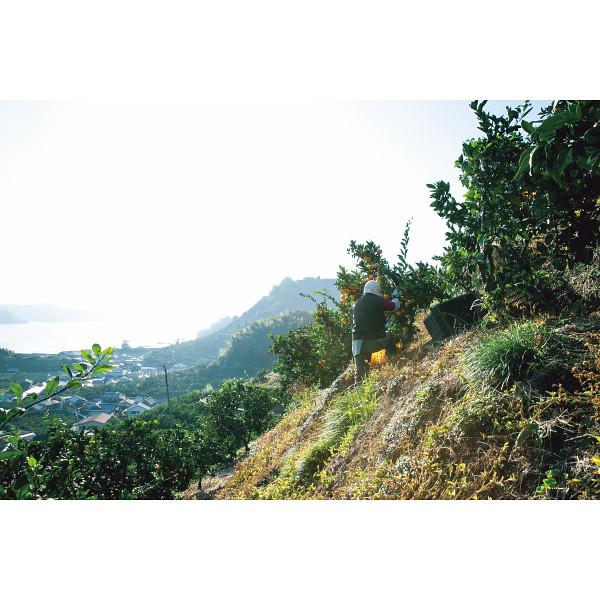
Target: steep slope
(283, 298)
(424, 427)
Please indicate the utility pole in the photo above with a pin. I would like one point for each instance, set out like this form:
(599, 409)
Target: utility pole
(167, 384)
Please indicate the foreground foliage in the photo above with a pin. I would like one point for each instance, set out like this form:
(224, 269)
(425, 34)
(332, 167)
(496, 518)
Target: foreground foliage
(531, 212)
(134, 460)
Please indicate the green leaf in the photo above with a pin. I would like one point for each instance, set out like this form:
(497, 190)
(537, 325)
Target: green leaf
(564, 159)
(23, 493)
(51, 386)
(526, 433)
(67, 370)
(17, 390)
(8, 454)
(527, 126)
(81, 367)
(523, 163)
(8, 415)
(97, 350)
(31, 461)
(87, 356)
(546, 130)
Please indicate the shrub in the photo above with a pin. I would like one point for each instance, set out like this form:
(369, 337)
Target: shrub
(418, 285)
(526, 352)
(237, 413)
(135, 459)
(585, 282)
(531, 211)
(316, 353)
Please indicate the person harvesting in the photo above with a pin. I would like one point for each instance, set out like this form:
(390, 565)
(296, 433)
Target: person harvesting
(368, 326)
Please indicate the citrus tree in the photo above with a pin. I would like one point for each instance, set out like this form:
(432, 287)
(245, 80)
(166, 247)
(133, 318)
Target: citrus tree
(561, 169)
(317, 352)
(237, 413)
(531, 208)
(418, 286)
(132, 460)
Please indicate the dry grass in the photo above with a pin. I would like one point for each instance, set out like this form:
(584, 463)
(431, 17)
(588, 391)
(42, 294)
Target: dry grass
(270, 451)
(436, 435)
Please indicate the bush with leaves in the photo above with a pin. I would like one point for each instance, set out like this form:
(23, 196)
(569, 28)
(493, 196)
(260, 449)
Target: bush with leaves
(132, 460)
(531, 209)
(529, 352)
(562, 164)
(418, 285)
(316, 353)
(237, 413)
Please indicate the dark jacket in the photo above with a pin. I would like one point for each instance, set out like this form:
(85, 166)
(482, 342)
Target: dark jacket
(369, 317)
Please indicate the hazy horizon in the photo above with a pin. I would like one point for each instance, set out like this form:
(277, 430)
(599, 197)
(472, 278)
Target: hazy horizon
(199, 209)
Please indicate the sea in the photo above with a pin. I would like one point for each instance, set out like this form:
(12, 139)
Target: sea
(51, 338)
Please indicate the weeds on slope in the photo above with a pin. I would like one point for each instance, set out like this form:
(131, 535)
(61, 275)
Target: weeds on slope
(497, 441)
(431, 429)
(307, 468)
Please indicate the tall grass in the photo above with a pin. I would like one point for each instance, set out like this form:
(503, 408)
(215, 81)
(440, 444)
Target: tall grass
(526, 352)
(348, 412)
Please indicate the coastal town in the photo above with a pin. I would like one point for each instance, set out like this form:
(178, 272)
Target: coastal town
(94, 410)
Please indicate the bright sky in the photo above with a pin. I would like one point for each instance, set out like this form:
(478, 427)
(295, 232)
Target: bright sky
(195, 210)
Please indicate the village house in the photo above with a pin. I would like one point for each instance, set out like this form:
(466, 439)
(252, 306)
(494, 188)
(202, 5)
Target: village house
(72, 405)
(136, 409)
(92, 422)
(112, 396)
(149, 371)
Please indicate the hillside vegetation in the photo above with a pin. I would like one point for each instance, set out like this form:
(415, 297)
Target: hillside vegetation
(461, 419)
(509, 409)
(506, 409)
(245, 354)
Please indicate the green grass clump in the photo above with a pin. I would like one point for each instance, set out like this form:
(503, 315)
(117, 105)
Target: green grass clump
(527, 352)
(348, 412)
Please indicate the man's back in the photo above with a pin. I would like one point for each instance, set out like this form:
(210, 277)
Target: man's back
(369, 317)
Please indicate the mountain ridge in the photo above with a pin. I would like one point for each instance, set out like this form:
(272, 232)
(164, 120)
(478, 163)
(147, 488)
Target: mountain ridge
(284, 297)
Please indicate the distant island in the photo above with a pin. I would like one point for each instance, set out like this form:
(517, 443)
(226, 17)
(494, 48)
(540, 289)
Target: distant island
(7, 318)
(44, 313)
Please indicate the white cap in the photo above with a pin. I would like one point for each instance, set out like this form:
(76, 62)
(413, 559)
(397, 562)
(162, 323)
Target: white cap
(372, 287)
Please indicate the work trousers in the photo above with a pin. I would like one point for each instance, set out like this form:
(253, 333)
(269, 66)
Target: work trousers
(361, 361)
